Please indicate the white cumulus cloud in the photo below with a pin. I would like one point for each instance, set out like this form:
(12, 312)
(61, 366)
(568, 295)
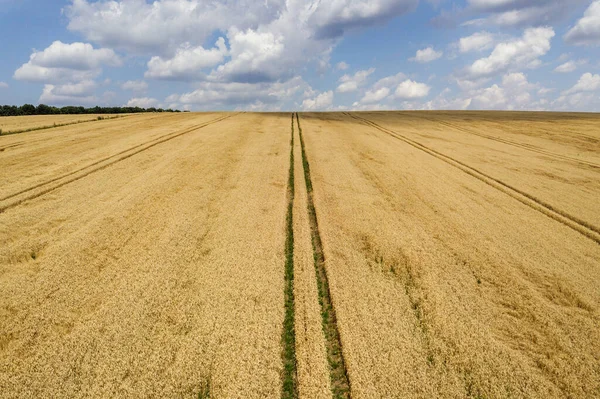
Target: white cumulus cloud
(66, 62)
(333, 18)
(255, 57)
(444, 100)
(587, 82)
(384, 89)
(161, 26)
(567, 67)
(268, 41)
(342, 66)
(69, 94)
(78, 56)
(80, 89)
(209, 95)
(587, 30)
(476, 42)
(135, 85)
(426, 55)
(491, 98)
(389, 81)
(353, 82)
(142, 102)
(373, 96)
(514, 93)
(518, 53)
(321, 102)
(410, 89)
(519, 13)
(583, 96)
(187, 63)
(34, 73)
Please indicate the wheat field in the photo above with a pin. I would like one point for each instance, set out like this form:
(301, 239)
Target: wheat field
(311, 255)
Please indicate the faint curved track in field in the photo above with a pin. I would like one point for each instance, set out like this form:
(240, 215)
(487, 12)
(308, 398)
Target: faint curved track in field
(103, 163)
(585, 228)
(11, 146)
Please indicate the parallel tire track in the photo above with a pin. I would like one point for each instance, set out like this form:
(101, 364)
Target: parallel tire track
(516, 144)
(288, 337)
(340, 384)
(41, 139)
(587, 229)
(96, 166)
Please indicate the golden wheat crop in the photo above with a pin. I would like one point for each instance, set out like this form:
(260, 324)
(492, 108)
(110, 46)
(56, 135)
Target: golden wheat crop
(380, 254)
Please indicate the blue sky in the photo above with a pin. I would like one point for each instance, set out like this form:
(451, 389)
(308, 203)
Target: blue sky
(302, 54)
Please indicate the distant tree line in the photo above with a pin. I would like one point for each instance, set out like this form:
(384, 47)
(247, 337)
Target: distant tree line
(42, 109)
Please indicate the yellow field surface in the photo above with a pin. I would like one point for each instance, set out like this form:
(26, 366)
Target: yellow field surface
(10, 124)
(153, 276)
(311, 255)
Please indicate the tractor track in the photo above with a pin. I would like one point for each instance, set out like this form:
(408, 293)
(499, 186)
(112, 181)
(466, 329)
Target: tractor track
(42, 139)
(338, 372)
(98, 165)
(587, 229)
